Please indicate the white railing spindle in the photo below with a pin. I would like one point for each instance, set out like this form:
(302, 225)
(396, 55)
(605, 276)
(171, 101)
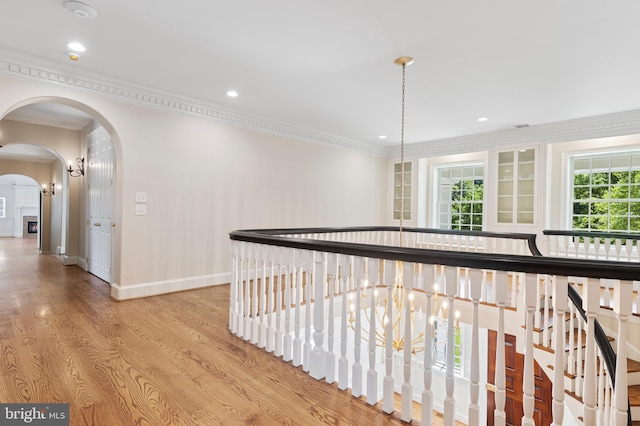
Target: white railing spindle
(559, 309)
(528, 382)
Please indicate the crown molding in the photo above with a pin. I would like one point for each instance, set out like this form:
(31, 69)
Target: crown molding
(616, 124)
(601, 126)
(150, 98)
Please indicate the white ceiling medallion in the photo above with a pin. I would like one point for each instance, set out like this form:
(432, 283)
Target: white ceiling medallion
(81, 10)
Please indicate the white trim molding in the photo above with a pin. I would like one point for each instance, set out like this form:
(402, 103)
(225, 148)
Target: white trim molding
(135, 291)
(607, 125)
(149, 98)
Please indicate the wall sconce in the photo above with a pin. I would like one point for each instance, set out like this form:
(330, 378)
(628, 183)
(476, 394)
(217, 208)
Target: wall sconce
(79, 171)
(49, 192)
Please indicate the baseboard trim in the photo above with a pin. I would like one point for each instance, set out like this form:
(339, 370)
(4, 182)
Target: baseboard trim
(70, 260)
(136, 291)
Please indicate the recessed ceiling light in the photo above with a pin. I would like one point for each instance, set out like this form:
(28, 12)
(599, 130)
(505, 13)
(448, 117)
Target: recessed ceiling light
(80, 9)
(482, 119)
(382, 137)
(232, 94)
(78, 47)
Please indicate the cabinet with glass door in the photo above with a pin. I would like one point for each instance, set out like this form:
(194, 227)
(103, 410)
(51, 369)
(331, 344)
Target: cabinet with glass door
(516, 186)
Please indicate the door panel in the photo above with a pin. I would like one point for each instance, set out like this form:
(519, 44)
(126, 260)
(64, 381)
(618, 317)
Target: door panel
(100, 177)
(514, 369)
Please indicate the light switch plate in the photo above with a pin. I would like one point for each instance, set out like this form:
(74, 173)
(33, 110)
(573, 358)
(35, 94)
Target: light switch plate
(141, 197)
(141, 210)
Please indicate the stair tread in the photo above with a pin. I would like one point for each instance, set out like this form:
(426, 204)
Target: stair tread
(634, 395)
(633, 366)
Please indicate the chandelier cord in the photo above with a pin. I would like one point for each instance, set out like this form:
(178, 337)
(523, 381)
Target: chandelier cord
(404, 66)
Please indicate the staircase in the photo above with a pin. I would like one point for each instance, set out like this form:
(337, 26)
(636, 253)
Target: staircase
(575, 347)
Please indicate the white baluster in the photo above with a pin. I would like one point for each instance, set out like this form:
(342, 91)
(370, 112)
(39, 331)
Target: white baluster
(571, 358)
(308, 346)
(427, 394)
(609, 411)
(356, 368)
(233, 289)
(622, 307)
(528, 381)
(601, 381)
(579, 356)
(254, 303)
(474, 373)
(607, 247)
(559, 308)
(262, 335)
(247, 296)
(287, 348)
(270, 304)
(591, 304)
(318, 357)
(500, 380)
(241, 292)
(332, 267)
(387, 384)
(343, 363)
(451, 288)
(277, 349)
(537, 314)
(407, 279)
(372, 374)
(297, 341)
(546, 338)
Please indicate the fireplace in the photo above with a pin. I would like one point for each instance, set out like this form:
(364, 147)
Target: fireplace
(32, 227)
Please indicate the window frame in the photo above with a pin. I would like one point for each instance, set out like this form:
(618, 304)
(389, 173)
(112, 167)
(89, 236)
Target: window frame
(444, 200)
(592, 203)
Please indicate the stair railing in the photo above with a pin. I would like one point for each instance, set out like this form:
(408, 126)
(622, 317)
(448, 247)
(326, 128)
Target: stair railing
(288, 287)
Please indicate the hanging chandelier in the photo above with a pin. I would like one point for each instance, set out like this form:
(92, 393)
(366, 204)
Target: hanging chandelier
(401, 297)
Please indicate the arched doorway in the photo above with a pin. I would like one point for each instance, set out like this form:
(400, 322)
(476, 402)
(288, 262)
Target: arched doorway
(66, 127)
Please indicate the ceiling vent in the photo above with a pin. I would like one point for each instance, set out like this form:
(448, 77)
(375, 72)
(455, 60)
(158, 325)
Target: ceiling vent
(520, 126)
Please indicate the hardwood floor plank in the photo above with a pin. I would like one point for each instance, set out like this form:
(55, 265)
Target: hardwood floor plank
(165, 360)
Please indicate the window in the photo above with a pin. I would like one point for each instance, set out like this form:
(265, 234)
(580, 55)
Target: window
(606, 192)
(460, 194)
(3, 203)
(397, 191)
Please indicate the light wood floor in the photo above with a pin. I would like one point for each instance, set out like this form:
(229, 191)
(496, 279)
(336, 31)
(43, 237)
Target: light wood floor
(156, 361)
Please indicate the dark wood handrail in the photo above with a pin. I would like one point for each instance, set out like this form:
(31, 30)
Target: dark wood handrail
(536, 263)
(503, 262)
(590, 234)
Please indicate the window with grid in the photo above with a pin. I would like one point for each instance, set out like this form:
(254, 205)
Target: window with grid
(460, 196)
(3, 203)
(606, 192)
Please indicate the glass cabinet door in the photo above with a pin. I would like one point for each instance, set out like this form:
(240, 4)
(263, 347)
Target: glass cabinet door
(516, 186)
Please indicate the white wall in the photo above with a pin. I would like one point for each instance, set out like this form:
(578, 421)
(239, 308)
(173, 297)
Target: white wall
(205, 178)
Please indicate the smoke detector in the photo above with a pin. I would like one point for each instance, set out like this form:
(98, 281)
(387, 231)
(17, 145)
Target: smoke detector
(80, 9)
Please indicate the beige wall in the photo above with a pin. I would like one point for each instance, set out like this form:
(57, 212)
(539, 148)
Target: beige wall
(205, 178)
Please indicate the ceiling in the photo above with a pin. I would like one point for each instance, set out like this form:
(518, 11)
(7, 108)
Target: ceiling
(328, 65)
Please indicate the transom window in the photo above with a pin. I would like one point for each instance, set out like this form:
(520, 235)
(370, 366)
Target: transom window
(460, 196)
(606, 192)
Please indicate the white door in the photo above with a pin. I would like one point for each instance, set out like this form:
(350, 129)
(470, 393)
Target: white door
(100, 172)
